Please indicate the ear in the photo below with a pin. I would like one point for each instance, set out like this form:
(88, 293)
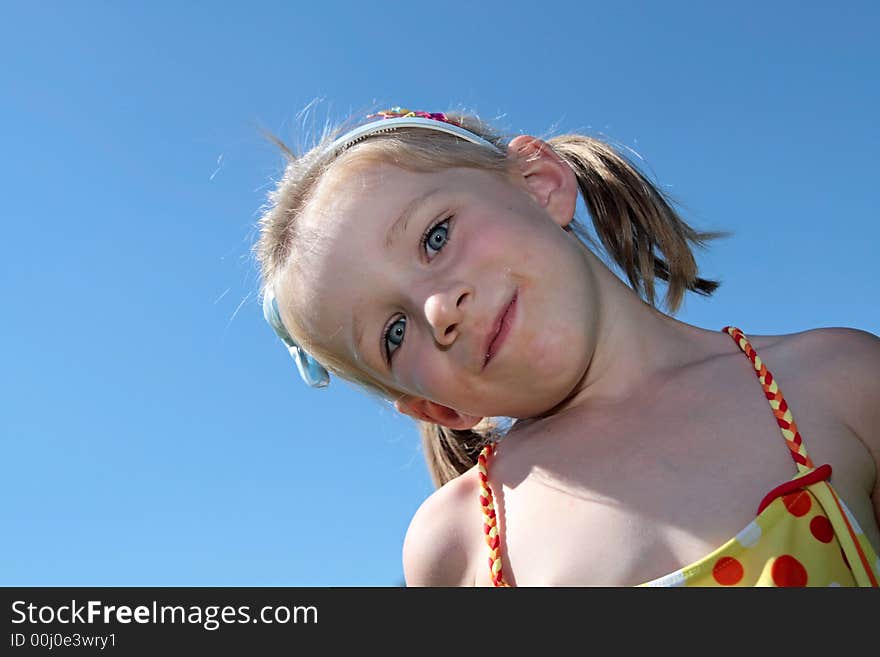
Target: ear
(427, 411)
(546, 176)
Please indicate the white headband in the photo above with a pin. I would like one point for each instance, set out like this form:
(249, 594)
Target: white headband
(388, 125)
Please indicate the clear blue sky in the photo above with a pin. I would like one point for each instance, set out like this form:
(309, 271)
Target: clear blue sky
(154, 432)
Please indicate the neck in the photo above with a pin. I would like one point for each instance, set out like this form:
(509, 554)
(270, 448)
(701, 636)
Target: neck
(634, 347)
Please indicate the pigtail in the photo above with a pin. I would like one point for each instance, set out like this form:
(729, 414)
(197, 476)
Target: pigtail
(633, 219)
(452, 452)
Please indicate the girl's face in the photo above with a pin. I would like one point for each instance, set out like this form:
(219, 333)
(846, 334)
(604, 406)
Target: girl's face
(409, 274)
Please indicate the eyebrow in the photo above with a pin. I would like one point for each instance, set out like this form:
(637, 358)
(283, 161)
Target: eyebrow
(399, 226)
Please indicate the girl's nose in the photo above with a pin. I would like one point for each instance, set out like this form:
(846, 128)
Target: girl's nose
(444, 311)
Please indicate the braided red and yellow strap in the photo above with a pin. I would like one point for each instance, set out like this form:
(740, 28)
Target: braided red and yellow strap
(777, 402)
(490, 522)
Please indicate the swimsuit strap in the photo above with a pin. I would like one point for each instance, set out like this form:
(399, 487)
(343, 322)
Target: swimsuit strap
(784, 418)
(490, 522)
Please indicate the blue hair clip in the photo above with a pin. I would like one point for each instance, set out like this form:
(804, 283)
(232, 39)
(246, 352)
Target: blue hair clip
(311, 371)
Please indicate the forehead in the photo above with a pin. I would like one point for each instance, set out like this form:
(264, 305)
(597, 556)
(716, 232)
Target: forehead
(348, 187)
(348, 206)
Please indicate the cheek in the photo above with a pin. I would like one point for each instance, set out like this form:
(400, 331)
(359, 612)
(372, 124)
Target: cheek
(558, 353)
(528, 246)
(501, 231)
(430, 376)
(420, 374)
(560, 317)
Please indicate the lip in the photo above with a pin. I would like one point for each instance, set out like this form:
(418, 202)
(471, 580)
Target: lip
(500, 329)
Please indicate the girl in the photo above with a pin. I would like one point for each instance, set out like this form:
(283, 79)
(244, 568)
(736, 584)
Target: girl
(440, 266)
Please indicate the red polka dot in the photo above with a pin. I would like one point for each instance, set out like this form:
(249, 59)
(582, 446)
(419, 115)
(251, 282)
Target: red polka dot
(727, 571)
(788, 571)
(821, 528)
(798, 503)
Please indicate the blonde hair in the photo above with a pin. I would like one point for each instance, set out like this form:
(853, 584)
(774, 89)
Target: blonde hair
(634, 222)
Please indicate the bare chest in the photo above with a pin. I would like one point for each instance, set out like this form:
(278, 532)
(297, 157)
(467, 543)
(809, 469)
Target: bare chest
(630, 494)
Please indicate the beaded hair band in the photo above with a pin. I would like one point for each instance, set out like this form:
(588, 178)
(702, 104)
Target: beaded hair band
(310, 370)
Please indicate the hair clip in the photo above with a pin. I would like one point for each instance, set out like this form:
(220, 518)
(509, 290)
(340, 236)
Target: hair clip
(310, 370)
(401, 113)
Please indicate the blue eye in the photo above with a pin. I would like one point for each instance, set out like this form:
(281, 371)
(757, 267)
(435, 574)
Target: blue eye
(394, 336)
(437, 236)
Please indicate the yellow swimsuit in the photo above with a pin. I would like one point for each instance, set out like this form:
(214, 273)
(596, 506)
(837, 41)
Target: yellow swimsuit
(803, 534)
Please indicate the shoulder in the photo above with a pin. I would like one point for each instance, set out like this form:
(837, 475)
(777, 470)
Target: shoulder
(443, 535)
(849, 364)
(837, 371)
(846, 367)
(842, 368)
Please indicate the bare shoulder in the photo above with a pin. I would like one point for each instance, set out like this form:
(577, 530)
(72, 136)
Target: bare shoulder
(842, 366)
(439, 547)
(837, 371)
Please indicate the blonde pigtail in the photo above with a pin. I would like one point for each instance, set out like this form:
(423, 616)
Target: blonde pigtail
(634, 221)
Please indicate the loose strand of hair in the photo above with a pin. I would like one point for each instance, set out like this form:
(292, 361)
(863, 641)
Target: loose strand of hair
(451, 452)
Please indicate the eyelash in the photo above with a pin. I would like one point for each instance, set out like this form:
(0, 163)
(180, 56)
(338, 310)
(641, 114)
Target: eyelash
(423, 243)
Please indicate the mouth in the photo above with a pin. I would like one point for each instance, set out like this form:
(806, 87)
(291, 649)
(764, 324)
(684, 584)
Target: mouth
(500, 330)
